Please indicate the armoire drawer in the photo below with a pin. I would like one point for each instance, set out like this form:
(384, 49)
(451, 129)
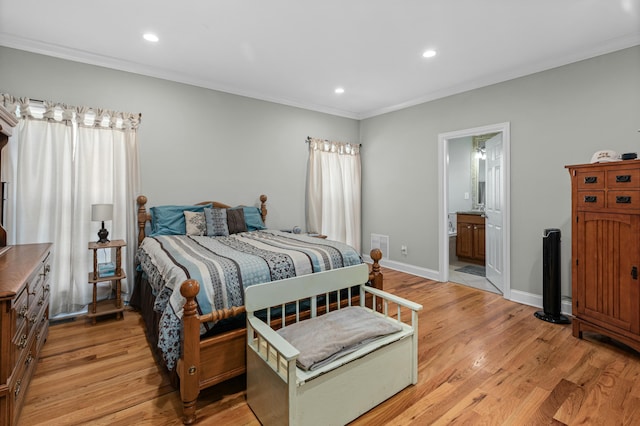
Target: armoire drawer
(590, 179)
(591, 199)
(623, 179)
(624, 200)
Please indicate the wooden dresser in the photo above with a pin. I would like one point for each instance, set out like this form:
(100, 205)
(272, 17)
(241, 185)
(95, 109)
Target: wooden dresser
(605, 247)
(24, 322)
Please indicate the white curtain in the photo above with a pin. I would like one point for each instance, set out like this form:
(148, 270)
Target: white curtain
(334, 191)
(69, 158)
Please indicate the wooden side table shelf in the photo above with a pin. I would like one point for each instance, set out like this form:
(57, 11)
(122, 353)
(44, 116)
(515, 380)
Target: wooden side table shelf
(109, 306)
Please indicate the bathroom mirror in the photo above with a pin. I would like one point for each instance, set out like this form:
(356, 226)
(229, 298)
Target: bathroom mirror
(478, 170)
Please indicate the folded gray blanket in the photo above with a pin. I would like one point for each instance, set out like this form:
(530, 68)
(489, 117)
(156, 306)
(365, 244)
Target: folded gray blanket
(325, 338)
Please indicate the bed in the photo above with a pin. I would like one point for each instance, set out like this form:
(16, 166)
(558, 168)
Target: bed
(194, 321)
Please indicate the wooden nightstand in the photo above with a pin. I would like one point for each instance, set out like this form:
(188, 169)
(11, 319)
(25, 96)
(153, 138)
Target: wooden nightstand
(109, 306)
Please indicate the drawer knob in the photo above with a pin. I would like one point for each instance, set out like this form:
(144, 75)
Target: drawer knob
(46, 270)
(623, 178)
(23, 341)
(23, 311)
(591, 179)
(590, 199)
(16, 392)
(623, 199)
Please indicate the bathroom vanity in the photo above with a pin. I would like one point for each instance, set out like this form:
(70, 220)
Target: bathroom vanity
(470, 240)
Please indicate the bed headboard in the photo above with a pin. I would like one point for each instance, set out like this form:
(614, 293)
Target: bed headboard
(144, 216)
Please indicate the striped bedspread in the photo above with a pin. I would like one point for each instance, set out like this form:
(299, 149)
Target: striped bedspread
(224, 267)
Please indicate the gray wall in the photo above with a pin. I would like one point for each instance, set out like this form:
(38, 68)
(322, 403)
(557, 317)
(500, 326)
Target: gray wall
(195, 144)
(558, 117)
(460, 174)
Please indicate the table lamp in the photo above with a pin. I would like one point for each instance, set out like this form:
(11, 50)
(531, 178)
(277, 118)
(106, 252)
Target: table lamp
(100, 213)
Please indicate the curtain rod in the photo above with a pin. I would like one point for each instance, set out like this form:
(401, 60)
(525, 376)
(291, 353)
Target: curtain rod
(325, 140)
(42, 102)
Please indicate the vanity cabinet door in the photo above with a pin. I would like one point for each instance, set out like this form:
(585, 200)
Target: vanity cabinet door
(470, 241)
(478, 242)
(464, 240)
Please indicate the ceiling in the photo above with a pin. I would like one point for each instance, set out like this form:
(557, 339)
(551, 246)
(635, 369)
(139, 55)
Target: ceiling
(297, 52)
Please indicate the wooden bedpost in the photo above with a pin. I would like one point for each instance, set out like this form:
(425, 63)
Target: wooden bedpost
(189, 365)
(263, 207)
(143, 216)
(375, 276)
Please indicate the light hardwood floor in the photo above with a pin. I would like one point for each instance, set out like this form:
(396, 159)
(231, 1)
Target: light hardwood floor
(482, 360)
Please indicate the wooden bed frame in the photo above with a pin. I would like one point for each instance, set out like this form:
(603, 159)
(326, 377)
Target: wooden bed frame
(205, 362)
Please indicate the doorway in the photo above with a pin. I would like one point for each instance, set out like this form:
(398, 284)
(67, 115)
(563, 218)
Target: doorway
(487, 198)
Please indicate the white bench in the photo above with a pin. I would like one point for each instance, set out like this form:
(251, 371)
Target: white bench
(280, 393)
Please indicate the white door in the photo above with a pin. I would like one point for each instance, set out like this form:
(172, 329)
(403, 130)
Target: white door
(494, 211)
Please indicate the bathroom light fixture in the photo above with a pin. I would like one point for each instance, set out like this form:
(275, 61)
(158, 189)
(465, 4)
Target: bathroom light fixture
(151, 37)
(339, 90)
(429, 53)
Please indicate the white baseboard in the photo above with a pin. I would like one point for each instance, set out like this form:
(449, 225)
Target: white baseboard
(405, 267)
(537, 302)
(518, 296)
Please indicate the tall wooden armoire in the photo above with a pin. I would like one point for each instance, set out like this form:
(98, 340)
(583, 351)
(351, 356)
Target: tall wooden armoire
(605, 246)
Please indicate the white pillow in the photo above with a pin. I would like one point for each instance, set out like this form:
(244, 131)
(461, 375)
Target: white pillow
(196, 224)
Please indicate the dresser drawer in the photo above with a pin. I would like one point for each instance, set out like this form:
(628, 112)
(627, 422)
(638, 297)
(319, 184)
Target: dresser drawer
(19, 344)
(590, 179)
(591, 199)
(42, 330)
(470, 218)
(21, 309)
(624, 200)
(22, 376)
(623, 179)
(38, 282)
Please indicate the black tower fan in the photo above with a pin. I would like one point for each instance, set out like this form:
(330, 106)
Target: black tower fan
(551, 278)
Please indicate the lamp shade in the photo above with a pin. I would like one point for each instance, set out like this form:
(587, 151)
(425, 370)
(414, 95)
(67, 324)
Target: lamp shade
(101, 212)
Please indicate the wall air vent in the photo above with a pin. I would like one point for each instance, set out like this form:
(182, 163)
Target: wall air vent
(380, 242)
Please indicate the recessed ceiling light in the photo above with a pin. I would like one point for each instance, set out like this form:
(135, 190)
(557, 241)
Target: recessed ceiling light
(339, 90)
(429, 53)
(151, 37)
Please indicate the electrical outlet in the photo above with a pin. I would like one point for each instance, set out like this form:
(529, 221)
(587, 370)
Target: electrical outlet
(403, 250)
